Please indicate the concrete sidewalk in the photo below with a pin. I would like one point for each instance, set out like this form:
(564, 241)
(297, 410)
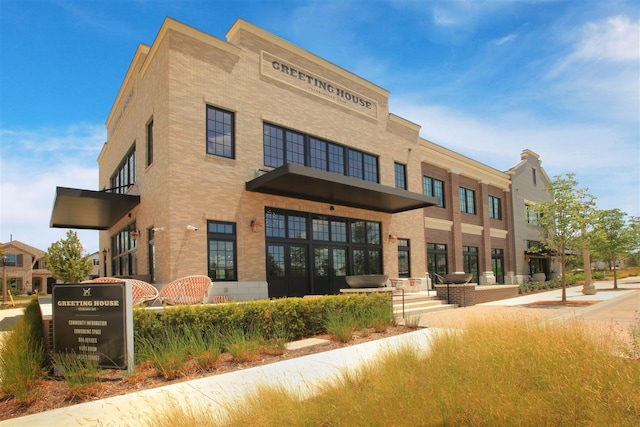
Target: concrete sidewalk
(303, 374)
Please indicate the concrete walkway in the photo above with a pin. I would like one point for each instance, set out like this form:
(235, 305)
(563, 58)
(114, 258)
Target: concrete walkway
(302, 374)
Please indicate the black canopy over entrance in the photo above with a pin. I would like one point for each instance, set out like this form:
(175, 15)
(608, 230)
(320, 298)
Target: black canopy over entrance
(87, 209)
(302, 182)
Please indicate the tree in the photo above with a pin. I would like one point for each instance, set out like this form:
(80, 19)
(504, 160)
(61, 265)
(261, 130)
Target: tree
(615, 238)
(66, 261)
(564, 219)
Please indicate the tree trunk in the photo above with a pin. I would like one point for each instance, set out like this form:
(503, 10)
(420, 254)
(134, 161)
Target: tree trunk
(588, 288)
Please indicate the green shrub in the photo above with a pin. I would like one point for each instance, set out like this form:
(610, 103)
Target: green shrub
(22, 357)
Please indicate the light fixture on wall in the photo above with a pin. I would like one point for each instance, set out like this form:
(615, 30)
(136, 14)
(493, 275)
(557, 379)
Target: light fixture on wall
(156, 229)
(134, 234)
(192, 228)
(255, 225)
(393, 237)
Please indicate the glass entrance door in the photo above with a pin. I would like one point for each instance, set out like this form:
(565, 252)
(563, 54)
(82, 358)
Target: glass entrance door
(329, 269)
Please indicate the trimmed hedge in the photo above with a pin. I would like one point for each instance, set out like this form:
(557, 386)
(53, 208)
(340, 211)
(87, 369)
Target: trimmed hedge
(301, 317)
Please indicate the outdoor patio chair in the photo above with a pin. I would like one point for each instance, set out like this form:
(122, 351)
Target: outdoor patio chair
(141, 291)
(186, 290)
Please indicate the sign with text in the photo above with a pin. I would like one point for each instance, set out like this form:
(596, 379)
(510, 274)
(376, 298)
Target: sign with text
(310, 82)
(94, 322)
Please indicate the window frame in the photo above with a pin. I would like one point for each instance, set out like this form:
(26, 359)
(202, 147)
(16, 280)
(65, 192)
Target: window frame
(430, 189)
(124, 177)
(213, 147)
(317, 153)
(467, 200)
(226, 234)
(150, 142)
(495, 207)
(400, 174)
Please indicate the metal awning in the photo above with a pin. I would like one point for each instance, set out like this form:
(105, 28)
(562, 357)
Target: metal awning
(302, 182)
(88, 209)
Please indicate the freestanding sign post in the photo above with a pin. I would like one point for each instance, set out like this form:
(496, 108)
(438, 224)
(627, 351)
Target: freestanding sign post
(94, 322)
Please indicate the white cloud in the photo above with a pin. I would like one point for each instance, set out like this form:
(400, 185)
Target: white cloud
(33, 163)
(616, 39)
(604, 159)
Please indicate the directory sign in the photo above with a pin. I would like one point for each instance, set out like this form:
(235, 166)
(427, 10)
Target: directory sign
(94, 322)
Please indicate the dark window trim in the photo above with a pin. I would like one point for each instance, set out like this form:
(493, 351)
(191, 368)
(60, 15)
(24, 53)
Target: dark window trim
(232, 133)
(150, 142)
(232, 237)
(464, 200)
(366, 167)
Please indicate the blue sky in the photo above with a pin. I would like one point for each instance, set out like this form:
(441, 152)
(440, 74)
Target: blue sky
(486, 79)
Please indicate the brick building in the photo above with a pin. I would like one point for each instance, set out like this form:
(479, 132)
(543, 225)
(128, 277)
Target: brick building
(277, 173)
(25, 268)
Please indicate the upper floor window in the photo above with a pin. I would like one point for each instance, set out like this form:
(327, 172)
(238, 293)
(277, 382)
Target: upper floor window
(467, 200)
(532, 215)
(150, 142)
(495, 209)
(400, 172)
(13, 260)
(125, 176)
(283, 146)
(535, 178)
(434, 188)
(220, 132)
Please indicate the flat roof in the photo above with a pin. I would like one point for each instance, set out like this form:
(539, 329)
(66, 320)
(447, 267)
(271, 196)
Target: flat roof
(303, 182)
(89, 209)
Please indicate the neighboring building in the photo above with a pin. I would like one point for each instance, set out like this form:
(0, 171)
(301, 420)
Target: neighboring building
(97, 266)
(528, 187)
(468, 230)
(26, 266)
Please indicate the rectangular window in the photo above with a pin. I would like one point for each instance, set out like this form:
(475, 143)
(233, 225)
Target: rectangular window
(436, 260)
(404, 267)
(533, 175)
(400, 171)
(124, 251)
(221, 237)
(532, 215)
(13, 260)
(470, 261)
(467, 201)
(220, 132)
(434, 188)
(125, 176)
(283, 146)
(150, 143)
(273, 146)
(495, 209)
(336, 159)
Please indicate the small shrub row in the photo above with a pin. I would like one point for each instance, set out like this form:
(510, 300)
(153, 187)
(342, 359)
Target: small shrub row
(286, 318)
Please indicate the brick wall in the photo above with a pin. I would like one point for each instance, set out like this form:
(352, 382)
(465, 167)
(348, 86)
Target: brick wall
(472, 294)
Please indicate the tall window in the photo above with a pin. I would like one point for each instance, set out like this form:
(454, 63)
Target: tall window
(533, 176)
(404, 264)
(434, 188)
(124, 251)
(436, 260)
(470, 261)
(495, 209)
(220, 132)
(400, 171)
(150, 142)
(532, 215)
(283, 146)
(221, 237)
(125, 176)
(467, 200)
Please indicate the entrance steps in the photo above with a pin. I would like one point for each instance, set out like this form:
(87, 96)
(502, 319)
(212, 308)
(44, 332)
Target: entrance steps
(417, 303)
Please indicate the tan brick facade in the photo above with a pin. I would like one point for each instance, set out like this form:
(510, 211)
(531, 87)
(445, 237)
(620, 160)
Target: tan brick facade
(263, 79)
